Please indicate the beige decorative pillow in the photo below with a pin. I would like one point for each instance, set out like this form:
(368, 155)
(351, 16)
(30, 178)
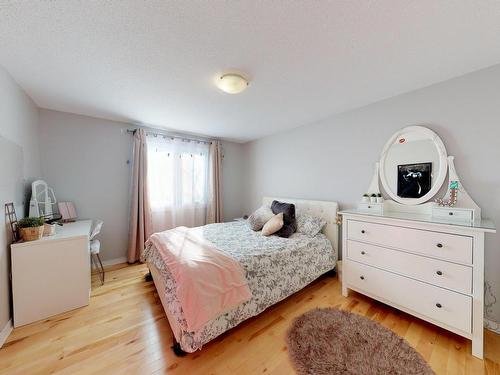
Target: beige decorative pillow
(261, 216)
(273, 225)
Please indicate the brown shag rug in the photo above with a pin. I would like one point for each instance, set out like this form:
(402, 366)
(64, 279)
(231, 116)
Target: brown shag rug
(329, 342)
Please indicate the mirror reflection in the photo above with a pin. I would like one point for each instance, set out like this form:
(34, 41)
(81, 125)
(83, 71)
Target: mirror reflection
(411, 163)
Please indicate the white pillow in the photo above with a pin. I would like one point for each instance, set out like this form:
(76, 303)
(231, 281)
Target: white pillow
(309, 225)
(261, 216)
(273, 225)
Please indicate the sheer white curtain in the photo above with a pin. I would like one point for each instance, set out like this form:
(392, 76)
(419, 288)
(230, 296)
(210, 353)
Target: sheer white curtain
(178, 173)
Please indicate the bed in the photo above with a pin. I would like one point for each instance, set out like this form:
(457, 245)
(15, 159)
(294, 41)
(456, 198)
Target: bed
(275, 268)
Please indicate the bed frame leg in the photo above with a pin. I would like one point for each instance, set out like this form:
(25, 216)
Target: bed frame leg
(148, 276)
(331, 273)
(176, 347)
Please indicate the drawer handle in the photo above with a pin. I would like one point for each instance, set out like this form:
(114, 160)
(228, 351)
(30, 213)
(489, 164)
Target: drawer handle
(438, 305)
(362, 277)
(363, 231)
(363, 253)
(440, 245)
(439, 273)
(450, 213)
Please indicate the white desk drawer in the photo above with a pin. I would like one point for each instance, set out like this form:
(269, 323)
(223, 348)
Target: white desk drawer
(438, 272)
(440, 245)
(441, 305)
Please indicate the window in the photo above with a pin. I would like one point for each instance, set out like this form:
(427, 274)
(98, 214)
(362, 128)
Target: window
(177, 173)
(194, 178)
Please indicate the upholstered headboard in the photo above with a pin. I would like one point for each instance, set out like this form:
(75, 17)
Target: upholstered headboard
(324, 209)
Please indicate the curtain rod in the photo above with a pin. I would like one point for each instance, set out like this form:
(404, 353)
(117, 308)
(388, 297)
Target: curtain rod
(173, 136)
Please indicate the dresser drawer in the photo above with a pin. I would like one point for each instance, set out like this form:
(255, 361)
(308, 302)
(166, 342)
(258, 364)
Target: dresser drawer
(453, 214)
(371, 207)
(440, 305)
(438, 272)
(440, 245)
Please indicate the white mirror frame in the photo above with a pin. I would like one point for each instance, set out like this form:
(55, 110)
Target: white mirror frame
(438, 179)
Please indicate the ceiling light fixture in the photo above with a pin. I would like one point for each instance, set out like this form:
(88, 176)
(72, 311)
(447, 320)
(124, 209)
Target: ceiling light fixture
(232, 83)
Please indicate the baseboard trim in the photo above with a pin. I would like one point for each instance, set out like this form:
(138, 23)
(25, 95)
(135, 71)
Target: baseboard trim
(6, 332)
(111, 262)
(492, 326)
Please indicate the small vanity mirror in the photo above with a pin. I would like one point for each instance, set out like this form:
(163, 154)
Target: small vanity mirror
(413, 165)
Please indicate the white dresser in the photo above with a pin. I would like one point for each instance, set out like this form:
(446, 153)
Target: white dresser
(431, 269)
(418, 250)
(51, 275)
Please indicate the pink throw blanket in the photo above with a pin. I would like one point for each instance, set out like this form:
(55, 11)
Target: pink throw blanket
(209, 282)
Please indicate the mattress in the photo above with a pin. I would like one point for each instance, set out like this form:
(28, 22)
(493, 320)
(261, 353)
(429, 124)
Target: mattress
(275, 269)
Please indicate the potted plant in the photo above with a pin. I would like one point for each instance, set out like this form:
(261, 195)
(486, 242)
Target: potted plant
(379, 198)
(373, 198)
(31, 228)
(366, 198)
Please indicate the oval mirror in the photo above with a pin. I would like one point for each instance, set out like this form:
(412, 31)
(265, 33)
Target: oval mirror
(413, 165)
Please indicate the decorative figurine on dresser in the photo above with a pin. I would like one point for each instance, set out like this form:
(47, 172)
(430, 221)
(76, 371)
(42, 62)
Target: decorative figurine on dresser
(421, 255)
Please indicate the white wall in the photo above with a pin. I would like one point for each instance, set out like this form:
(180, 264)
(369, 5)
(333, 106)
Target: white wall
(20, 164)
(233, 180)
(84, 159)
(333, 159)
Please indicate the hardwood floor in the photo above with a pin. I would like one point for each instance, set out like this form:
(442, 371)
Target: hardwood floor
(124, 331)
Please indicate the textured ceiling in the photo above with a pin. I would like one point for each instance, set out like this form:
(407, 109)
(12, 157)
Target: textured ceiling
(155, 61)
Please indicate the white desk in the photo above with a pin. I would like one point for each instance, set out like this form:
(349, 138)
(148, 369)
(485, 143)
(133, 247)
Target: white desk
(51, 275)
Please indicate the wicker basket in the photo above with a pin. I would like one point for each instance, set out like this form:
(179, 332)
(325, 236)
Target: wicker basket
(32, 233)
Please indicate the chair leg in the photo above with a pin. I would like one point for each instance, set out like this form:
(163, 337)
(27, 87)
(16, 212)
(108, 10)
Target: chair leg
(93, 264)
(102, 269)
